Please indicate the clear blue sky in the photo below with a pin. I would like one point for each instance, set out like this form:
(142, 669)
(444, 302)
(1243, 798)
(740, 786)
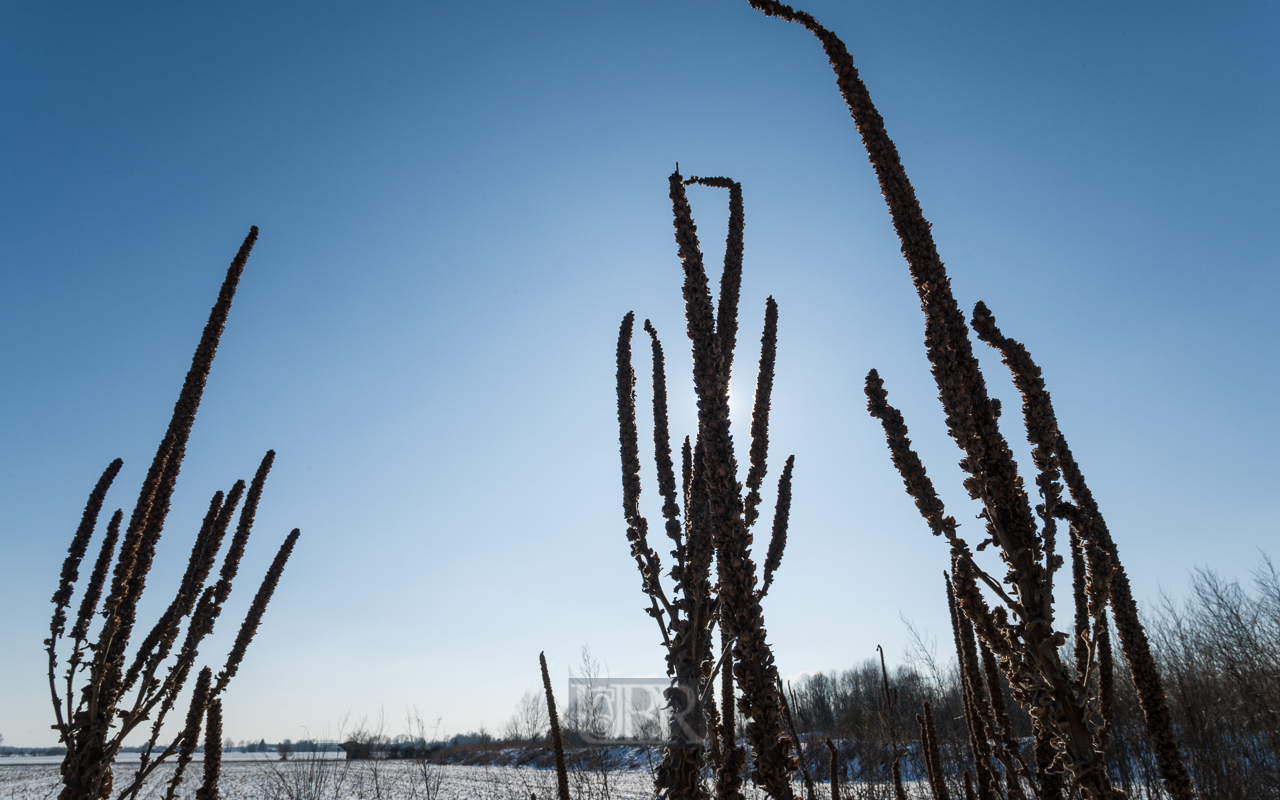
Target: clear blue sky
(458, 204)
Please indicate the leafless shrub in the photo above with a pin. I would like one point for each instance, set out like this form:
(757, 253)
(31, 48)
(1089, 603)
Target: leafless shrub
(427, 777)
(311, 775)
(592, 763)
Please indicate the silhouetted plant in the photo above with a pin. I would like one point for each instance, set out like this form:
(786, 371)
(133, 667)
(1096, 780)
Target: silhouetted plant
(212, 753)
(810, 791)
(557, 741)
(717, 520)
(1027, 647)
(835, 770)
(932, 754)
(111, 702)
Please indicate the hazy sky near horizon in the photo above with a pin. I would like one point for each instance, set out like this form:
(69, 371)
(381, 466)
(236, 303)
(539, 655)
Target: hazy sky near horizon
(459, 202)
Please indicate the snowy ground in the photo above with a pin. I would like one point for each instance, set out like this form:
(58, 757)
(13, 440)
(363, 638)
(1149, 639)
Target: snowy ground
(342, 780)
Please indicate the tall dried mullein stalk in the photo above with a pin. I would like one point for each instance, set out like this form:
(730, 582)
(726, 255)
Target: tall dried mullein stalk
(1027, 647)
(888, 709)
(212, 753)
(932, 754)
(717, 522)
(557, 741)
(899, 791)
(810, 791)
(101, 702)
(979, 749)
(986, 715)
(1006, 747)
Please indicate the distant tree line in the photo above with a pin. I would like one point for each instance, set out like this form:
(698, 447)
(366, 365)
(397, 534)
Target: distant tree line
(1219, 653)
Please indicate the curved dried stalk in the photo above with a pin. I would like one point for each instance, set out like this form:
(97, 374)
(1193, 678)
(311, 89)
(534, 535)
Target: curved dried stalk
(781, 518)
(1028, 650)
(1107, 581)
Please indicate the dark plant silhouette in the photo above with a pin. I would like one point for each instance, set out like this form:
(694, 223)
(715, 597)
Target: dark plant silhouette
(1066, 706)
(557, 741)
(717, 521)
(101, 702)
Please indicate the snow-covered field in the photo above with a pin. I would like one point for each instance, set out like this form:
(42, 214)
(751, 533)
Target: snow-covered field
(343, 780)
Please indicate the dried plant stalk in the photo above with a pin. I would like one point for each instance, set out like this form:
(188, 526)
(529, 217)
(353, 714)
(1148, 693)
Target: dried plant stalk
(1106, 677)
(711, 493)
(781, 517)
(835, 770)
(190, 737)
(1048, 776)
(932, 754)
(753, 666)
(212, 753)
(557, 742)
(111, 701)
(979, 752)
(733, 758)
(1107, 582)
(1005, 744)
(899, 791)
(810, 791)
(1027, 649)
(685, 624)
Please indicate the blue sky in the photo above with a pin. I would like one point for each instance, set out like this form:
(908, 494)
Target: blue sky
(458, 204)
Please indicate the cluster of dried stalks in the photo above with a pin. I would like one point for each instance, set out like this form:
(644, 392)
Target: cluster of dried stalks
(104, 694)
(717, 525)
(1017, 668)
(1005, 628)
(1217, 652)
